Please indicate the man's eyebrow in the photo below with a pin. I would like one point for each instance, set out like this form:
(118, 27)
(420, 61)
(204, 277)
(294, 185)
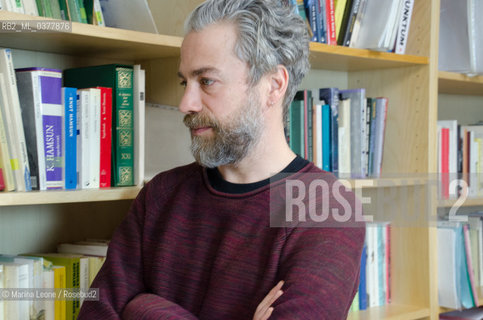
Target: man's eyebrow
(200, 71)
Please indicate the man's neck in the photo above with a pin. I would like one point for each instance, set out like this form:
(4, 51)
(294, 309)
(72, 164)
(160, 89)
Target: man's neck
(267, 158)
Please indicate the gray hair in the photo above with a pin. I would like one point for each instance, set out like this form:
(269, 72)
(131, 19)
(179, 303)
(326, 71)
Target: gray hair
(270, 33)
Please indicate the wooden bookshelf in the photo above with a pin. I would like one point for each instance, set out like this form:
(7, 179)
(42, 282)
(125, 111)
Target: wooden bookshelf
(67, 196)
(469, 202)
(409, 81)
(460, 84)
(86, 40)
(340, 58)
(391, 312)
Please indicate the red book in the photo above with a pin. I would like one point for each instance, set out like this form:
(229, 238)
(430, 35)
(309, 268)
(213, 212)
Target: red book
(106, 134)
(445, 163)
(330, 16)
(2, 182)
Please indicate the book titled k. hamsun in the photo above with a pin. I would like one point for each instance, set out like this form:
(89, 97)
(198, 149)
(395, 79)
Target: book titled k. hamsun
(120, 79)
(41, 102)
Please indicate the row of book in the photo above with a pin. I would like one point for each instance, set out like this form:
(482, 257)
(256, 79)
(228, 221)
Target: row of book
(460, 158)
(341, 131)
(124, 14)
(84, 133)
(358, 23)
(375, 274)
(460, 262)
(461, 37)
(84, 11)
(72, 268)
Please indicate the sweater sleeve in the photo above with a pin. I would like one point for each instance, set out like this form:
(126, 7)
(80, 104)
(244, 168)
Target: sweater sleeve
(121, 276)
(320, 267)
(147, 306)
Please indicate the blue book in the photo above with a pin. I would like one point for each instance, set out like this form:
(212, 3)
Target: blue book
(69, 101)
(311, 12)
(331, 97)
(362, 280)
(326, 138)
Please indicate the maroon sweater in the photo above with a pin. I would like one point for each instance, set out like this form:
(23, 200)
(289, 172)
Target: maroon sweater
(189, 251)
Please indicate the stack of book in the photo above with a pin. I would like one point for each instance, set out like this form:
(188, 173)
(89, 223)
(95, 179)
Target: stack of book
(358, 23)
(341, 131)
(460, 159)
(375, 274)
(125, 14)
(460, 262)
(73, 268)
(81, 128)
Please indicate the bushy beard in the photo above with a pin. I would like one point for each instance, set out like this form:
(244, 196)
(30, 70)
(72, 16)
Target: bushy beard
(232, 140)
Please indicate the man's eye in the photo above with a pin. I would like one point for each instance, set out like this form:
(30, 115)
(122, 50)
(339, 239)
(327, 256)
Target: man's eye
(183, 83)
(206, 82)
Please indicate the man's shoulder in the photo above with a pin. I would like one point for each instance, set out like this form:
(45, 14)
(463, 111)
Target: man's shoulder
(170, 178)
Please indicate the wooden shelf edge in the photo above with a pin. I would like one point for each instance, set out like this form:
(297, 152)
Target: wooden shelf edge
(469, 202)
(388, 58)
(391, 312)
(67, 196)
(384, 182)
(460, 84)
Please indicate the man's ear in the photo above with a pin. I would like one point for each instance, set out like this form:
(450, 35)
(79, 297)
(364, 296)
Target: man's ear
(278, 82)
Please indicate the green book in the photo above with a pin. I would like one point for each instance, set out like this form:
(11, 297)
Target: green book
(47, 9)
(296, 114)
(40, 7)
(120, 79)
(74, 10)
(64, 10)
(55, 7)
(71, 262)
(82, 11)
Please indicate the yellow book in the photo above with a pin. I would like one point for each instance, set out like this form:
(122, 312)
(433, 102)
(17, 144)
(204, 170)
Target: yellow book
(59, 283)
(95, 264)
(339, 14)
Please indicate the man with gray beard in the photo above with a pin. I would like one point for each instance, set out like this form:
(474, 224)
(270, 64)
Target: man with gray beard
(198, 242)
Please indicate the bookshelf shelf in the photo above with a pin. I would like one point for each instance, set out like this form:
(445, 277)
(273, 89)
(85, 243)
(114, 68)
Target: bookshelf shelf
(470, 202)
(391, 312)
(384, 182)
(67, 196)
(460, 84)
(323, 56)
(87, 39)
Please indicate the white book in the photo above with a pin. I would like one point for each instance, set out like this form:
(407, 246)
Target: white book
(30, 7)
(128, 14)
(2, 308)
(139, 109)
(83, 160)
(94, 139)
(48, 283)
(403, 28)
(344, 147)
(447, 270)
(80, 248)
(17, 6)
(98, 15)
(16, 275)
(9, 179)
(83, 275)
(15, 123)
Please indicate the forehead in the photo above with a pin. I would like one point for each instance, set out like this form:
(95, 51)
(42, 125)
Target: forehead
(211, 47)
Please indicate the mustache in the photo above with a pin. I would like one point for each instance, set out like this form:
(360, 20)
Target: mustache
(197, 120)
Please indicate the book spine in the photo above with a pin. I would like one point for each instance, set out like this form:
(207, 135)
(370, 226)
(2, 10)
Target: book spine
(69, 98)
(381, 114)
(64, 10)
(94, 139)
(296, 127)
(404, 23)
(50, 85)
(40, 8)
(123, 118)
(99, 17)
(59, 283)
(105, 137)
(326, 139)
(362, 280)
(30, 97)
(311, 11)
(331, 97)
(321, 21)
(74, 10)
(445, 163)
(308, 125)
(83, 138)
(47, 8)
(82, 11)
(469, 265)
(331, 28)
(20, 164)
(351, 22)
(139, 124)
